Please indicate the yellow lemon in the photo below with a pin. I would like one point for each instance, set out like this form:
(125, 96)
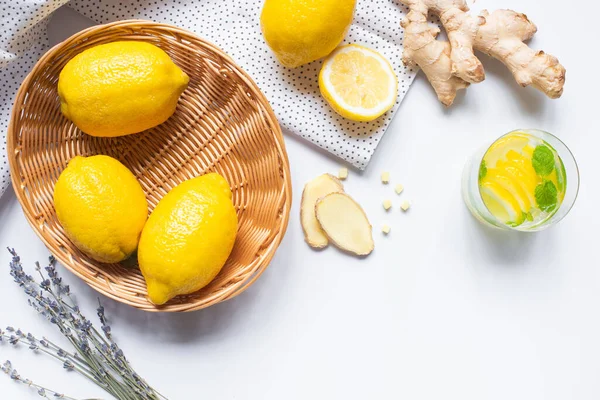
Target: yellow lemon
(358, 83)
(188, 237)
(101, 207)
(301, 31)
(120, 88)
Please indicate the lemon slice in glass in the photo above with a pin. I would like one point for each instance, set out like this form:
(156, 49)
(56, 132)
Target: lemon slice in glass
(501, 203)
(358, 83)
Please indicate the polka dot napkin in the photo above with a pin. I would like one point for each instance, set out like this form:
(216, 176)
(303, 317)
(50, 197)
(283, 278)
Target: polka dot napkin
(234, 26)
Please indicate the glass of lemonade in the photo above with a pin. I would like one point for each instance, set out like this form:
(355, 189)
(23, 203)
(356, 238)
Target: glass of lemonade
(527, 180)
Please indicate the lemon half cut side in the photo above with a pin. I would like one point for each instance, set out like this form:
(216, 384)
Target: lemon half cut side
(358, 83)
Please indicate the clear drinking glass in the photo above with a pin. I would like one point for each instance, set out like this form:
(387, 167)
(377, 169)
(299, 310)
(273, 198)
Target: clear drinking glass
(485, 193)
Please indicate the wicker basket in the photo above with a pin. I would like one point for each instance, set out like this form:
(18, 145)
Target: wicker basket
(223, 123)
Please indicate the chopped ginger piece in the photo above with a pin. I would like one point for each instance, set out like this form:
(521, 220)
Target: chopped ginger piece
(387, 204)
(385, 177)
(405, 205)
(343, 173)
(399, 188)
(385, 229)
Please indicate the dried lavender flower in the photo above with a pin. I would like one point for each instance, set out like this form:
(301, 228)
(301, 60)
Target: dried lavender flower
(95, 355)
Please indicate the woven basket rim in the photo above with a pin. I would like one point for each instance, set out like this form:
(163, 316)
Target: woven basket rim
(267, 253)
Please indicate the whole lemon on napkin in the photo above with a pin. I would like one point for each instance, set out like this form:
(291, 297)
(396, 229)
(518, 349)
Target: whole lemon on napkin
(301, 31)
(188, 237)
(101, 207)
(120, 88)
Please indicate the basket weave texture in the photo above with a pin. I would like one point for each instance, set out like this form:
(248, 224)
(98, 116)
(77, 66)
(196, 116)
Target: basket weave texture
(223, 123)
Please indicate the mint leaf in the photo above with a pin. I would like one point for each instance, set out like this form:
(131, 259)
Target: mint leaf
(482, 170)
(543, 160)
(546, 196)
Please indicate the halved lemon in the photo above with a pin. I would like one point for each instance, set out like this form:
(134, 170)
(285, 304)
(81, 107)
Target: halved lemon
(358, 83)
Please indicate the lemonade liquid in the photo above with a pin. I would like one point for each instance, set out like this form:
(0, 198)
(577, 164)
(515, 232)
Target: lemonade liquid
(522, 180)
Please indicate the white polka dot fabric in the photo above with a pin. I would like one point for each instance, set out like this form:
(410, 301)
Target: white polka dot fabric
(234, 26)
(22, 41)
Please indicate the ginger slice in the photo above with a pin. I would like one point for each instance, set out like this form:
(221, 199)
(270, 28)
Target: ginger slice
(345, 223)
(314, 190)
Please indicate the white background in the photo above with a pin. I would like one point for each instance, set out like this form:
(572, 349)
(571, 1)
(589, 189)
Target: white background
(443, 309)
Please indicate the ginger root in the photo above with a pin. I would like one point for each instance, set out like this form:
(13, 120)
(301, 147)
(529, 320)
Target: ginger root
(432, 56)
(451, 66)
(501, 35)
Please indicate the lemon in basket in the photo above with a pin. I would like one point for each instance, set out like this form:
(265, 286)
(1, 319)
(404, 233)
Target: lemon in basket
(358, 83)
(101, 206)
(120, 88)
(188, 237)
(301, 31)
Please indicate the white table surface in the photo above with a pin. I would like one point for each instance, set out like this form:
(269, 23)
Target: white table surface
(443, 309)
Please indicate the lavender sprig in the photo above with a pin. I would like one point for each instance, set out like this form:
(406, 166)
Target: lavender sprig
(8, 369)
(95, 354)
